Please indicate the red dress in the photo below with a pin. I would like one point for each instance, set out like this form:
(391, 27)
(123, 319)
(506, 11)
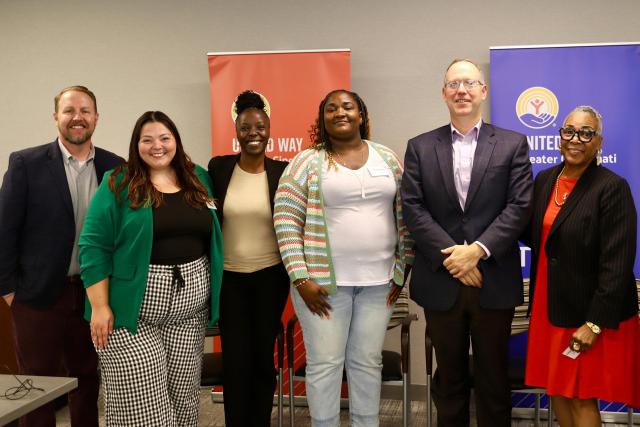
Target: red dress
(610, 370)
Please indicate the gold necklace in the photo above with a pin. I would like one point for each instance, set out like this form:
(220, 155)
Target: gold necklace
(358, 173)
(341, 160)
(555, 194)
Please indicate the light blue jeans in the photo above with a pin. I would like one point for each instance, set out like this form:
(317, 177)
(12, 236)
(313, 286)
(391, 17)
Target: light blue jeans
(354, 334)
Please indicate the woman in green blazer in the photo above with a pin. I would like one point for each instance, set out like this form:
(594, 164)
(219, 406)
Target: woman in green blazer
(151, 261)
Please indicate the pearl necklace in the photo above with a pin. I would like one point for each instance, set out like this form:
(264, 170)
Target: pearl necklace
(555, 194)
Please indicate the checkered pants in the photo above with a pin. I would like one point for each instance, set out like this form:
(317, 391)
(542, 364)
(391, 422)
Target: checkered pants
(152, 378)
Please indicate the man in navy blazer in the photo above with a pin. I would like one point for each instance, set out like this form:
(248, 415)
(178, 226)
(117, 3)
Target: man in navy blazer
(466, 193)
(43, 200)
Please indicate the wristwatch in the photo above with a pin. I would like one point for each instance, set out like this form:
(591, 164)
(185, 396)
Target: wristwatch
(594, 328)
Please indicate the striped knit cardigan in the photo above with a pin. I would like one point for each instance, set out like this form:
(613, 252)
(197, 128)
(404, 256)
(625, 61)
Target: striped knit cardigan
(300, 224)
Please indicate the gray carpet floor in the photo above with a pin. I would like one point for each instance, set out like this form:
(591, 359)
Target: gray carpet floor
(212, 415)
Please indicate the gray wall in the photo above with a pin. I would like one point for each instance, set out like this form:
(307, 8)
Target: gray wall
(141, 55)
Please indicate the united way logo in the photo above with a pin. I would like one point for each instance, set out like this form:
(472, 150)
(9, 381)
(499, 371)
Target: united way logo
(537, 107)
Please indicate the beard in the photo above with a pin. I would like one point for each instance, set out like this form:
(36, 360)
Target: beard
(76, 139)
(79, 140)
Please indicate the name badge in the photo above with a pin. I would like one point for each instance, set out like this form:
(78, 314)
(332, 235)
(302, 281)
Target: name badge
(570, 353)
(378, 171)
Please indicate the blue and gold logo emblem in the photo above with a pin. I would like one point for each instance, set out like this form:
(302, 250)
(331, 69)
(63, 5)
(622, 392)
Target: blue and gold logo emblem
(537, 107)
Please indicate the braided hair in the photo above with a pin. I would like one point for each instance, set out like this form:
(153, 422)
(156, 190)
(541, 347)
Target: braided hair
(318, 133)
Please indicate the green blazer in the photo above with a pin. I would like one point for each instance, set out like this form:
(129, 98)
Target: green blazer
(116, 243)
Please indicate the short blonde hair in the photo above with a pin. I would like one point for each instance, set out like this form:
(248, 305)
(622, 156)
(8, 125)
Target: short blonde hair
(455, 61)
(76, 88)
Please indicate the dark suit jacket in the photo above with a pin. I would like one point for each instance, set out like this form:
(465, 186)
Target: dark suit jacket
(497, 209)
(37, 224)
(590, 249)
(221, 170)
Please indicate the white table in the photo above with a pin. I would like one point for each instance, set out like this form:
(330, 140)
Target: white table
(53, 388)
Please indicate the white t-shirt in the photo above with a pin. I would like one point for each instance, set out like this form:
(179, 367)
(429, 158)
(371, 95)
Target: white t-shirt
(358, 207)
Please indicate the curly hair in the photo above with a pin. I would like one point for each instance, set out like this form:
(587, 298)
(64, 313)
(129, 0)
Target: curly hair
(249, 99)
(141, 191)
(318, 132)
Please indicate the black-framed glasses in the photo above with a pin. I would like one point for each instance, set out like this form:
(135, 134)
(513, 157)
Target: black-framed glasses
(585, 134)
(19, 391)
(468, 83)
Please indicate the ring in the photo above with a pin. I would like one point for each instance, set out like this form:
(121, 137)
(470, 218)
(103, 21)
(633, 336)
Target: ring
(576, 346)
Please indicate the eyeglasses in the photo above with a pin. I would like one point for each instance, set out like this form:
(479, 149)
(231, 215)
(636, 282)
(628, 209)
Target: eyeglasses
(585, 134)
(18, 392)
(469, 84)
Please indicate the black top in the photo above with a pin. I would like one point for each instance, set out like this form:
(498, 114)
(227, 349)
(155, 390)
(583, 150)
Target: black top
(181, 233)
(221, 170)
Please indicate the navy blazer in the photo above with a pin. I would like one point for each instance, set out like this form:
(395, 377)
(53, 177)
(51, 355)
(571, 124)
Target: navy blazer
(221, 170)
(497, 209)
(37, 223)
(590, 249)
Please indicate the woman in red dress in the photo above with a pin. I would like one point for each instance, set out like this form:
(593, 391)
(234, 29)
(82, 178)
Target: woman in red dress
(584, 339)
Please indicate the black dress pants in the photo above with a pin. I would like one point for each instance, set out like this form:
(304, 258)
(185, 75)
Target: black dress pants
(489, 331)
(251, 306)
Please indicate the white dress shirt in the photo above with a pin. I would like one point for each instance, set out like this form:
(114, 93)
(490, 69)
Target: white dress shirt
(464, 149)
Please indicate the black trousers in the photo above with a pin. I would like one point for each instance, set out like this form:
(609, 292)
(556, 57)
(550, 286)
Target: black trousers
(251, 306)
(489, 331)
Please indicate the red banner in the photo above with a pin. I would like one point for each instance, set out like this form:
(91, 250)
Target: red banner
(292, 83)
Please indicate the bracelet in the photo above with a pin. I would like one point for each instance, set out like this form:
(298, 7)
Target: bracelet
(297, 285)
(594, 328)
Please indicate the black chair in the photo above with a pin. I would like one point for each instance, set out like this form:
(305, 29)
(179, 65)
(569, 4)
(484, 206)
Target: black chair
(395, 365)
(517, 358)
(212, 368)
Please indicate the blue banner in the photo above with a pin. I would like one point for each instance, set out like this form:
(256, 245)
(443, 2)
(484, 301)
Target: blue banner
(533, 89)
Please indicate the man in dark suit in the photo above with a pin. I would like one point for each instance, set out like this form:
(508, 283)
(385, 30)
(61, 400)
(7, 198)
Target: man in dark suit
(467, 197)
(43, 200)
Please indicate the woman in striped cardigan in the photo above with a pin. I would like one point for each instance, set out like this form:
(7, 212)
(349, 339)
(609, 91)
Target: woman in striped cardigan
(338, 220)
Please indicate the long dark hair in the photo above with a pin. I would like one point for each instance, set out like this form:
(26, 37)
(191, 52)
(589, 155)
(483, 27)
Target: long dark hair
(318, 133)
(136, 172)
